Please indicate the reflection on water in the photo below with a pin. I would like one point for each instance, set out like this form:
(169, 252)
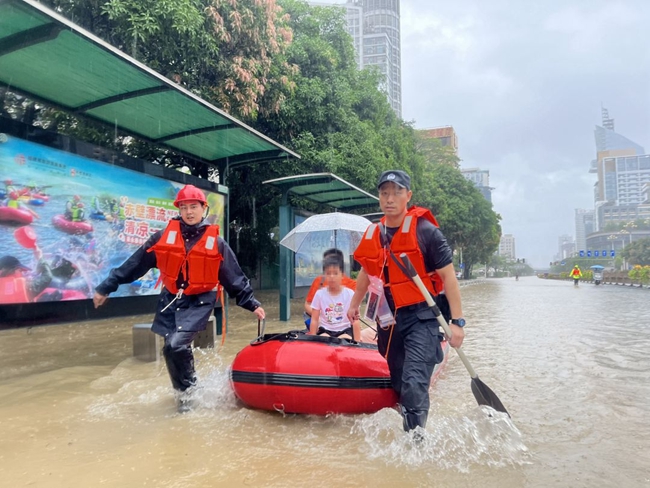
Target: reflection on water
(569, 364)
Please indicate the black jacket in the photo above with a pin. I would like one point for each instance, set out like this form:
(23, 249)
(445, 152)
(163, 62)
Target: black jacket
(231, 276)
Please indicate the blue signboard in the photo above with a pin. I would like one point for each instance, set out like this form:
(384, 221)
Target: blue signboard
(604, 254)
(612, 253)
(588, 254)
(596, 253)
(582, 254)
(563, 263)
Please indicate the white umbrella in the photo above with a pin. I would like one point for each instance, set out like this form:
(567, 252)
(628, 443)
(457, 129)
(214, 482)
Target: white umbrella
(344, 227)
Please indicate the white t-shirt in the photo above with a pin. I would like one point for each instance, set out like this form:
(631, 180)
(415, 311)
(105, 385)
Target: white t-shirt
(333, 308)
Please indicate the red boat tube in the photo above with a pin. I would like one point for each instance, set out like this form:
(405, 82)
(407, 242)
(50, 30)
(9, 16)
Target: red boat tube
(15, 216)
(299, 373)
(70, 227)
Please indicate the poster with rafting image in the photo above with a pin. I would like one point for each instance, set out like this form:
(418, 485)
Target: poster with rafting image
(66, 220)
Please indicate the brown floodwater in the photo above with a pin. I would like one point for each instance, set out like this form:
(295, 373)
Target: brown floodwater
(571, 365)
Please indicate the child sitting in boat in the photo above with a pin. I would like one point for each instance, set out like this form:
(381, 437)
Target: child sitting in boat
(330, 304)
(319, 282)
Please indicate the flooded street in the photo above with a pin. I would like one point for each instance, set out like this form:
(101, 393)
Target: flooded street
(570, 365)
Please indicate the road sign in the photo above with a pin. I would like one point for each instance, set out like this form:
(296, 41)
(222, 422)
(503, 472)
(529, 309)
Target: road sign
(582, 254)
(461, 265)
(612, 253)
(588, 254)
(604, 254)
(563, 263)
(596, 253)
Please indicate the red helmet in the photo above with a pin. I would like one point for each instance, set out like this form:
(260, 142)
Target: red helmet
(189, 192)
(76, 198)
(14, 195)
(80, 205)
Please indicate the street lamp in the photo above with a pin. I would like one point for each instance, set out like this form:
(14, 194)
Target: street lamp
(612, 238)
(626, 232)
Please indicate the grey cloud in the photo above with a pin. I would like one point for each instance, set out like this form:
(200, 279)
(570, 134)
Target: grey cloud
(522, 84)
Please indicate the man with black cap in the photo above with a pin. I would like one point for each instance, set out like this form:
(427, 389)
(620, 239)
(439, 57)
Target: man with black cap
(194, 261)
(411, 345)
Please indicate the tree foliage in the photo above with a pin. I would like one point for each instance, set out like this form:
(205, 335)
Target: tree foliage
(465, 216)
(637, 252)
(288, 69)
(228, 52)
(434, 152)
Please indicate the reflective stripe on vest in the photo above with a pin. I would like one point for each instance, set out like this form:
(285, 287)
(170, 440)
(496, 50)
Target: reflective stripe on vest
(372, 256)
(199, 267)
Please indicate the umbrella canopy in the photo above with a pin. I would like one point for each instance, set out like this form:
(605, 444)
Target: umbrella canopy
(345, 228)
(597, 267)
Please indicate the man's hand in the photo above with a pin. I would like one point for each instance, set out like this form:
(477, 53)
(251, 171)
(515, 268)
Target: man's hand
(259, 313)
(353, 313)
(457, 335)
(99, 299)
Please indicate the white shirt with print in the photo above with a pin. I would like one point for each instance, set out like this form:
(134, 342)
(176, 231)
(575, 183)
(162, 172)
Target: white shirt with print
(333, 308)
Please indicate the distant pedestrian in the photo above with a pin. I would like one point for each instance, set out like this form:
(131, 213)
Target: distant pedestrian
(576, 274)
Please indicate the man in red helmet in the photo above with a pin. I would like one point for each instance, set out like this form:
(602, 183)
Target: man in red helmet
(193, 262)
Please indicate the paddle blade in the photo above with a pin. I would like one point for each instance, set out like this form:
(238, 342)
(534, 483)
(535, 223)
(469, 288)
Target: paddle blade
(485, 396)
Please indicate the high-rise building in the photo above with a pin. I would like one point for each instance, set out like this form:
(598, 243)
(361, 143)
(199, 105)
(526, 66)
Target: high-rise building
(622, 168)
(481, 179)
(507, 246)
(375, 29)
(584, 221)
(566, 247)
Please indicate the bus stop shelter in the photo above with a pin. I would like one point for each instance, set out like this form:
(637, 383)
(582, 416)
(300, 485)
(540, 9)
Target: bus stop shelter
(48, 58)
(51, 60)
(322, 188)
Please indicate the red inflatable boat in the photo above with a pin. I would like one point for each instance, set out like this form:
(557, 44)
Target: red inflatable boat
(69, 227)
(299, 373)
(17, 216)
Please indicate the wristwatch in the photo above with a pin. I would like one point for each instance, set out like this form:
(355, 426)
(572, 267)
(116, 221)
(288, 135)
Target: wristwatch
(459, 322)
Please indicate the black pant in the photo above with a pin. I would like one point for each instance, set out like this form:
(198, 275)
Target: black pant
(413, 352)
(179, 359)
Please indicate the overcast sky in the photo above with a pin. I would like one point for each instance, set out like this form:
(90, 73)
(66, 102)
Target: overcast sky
(522, 83)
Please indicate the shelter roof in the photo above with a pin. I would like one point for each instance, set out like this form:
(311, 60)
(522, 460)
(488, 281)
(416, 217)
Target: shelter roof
(326, 189)
(50, 59)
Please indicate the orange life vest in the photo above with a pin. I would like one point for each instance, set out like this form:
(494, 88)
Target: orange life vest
(199, 266)
(374, 257)
(13, 289)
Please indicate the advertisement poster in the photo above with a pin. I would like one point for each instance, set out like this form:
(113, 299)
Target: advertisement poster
(80, 218)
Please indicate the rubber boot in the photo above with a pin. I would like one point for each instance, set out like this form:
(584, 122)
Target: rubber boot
(414, 418)
(180, 366)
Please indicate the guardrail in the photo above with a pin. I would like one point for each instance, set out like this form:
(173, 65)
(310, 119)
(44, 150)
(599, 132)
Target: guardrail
(609, 278)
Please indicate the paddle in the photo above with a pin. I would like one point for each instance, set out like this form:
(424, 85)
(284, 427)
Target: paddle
(483, 394)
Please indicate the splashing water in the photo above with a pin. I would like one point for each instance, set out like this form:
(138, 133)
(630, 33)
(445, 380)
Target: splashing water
(484, 437)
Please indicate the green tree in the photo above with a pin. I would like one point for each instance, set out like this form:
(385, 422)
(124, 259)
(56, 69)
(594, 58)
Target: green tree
(337, 119)
(638, 252)
(465, 216)
(434, 152)
(230, 53)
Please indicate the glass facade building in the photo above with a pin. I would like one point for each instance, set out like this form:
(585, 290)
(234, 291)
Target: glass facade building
(375, 29)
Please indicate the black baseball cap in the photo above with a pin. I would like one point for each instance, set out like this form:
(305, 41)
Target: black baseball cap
(397, 176)
(8, 264)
